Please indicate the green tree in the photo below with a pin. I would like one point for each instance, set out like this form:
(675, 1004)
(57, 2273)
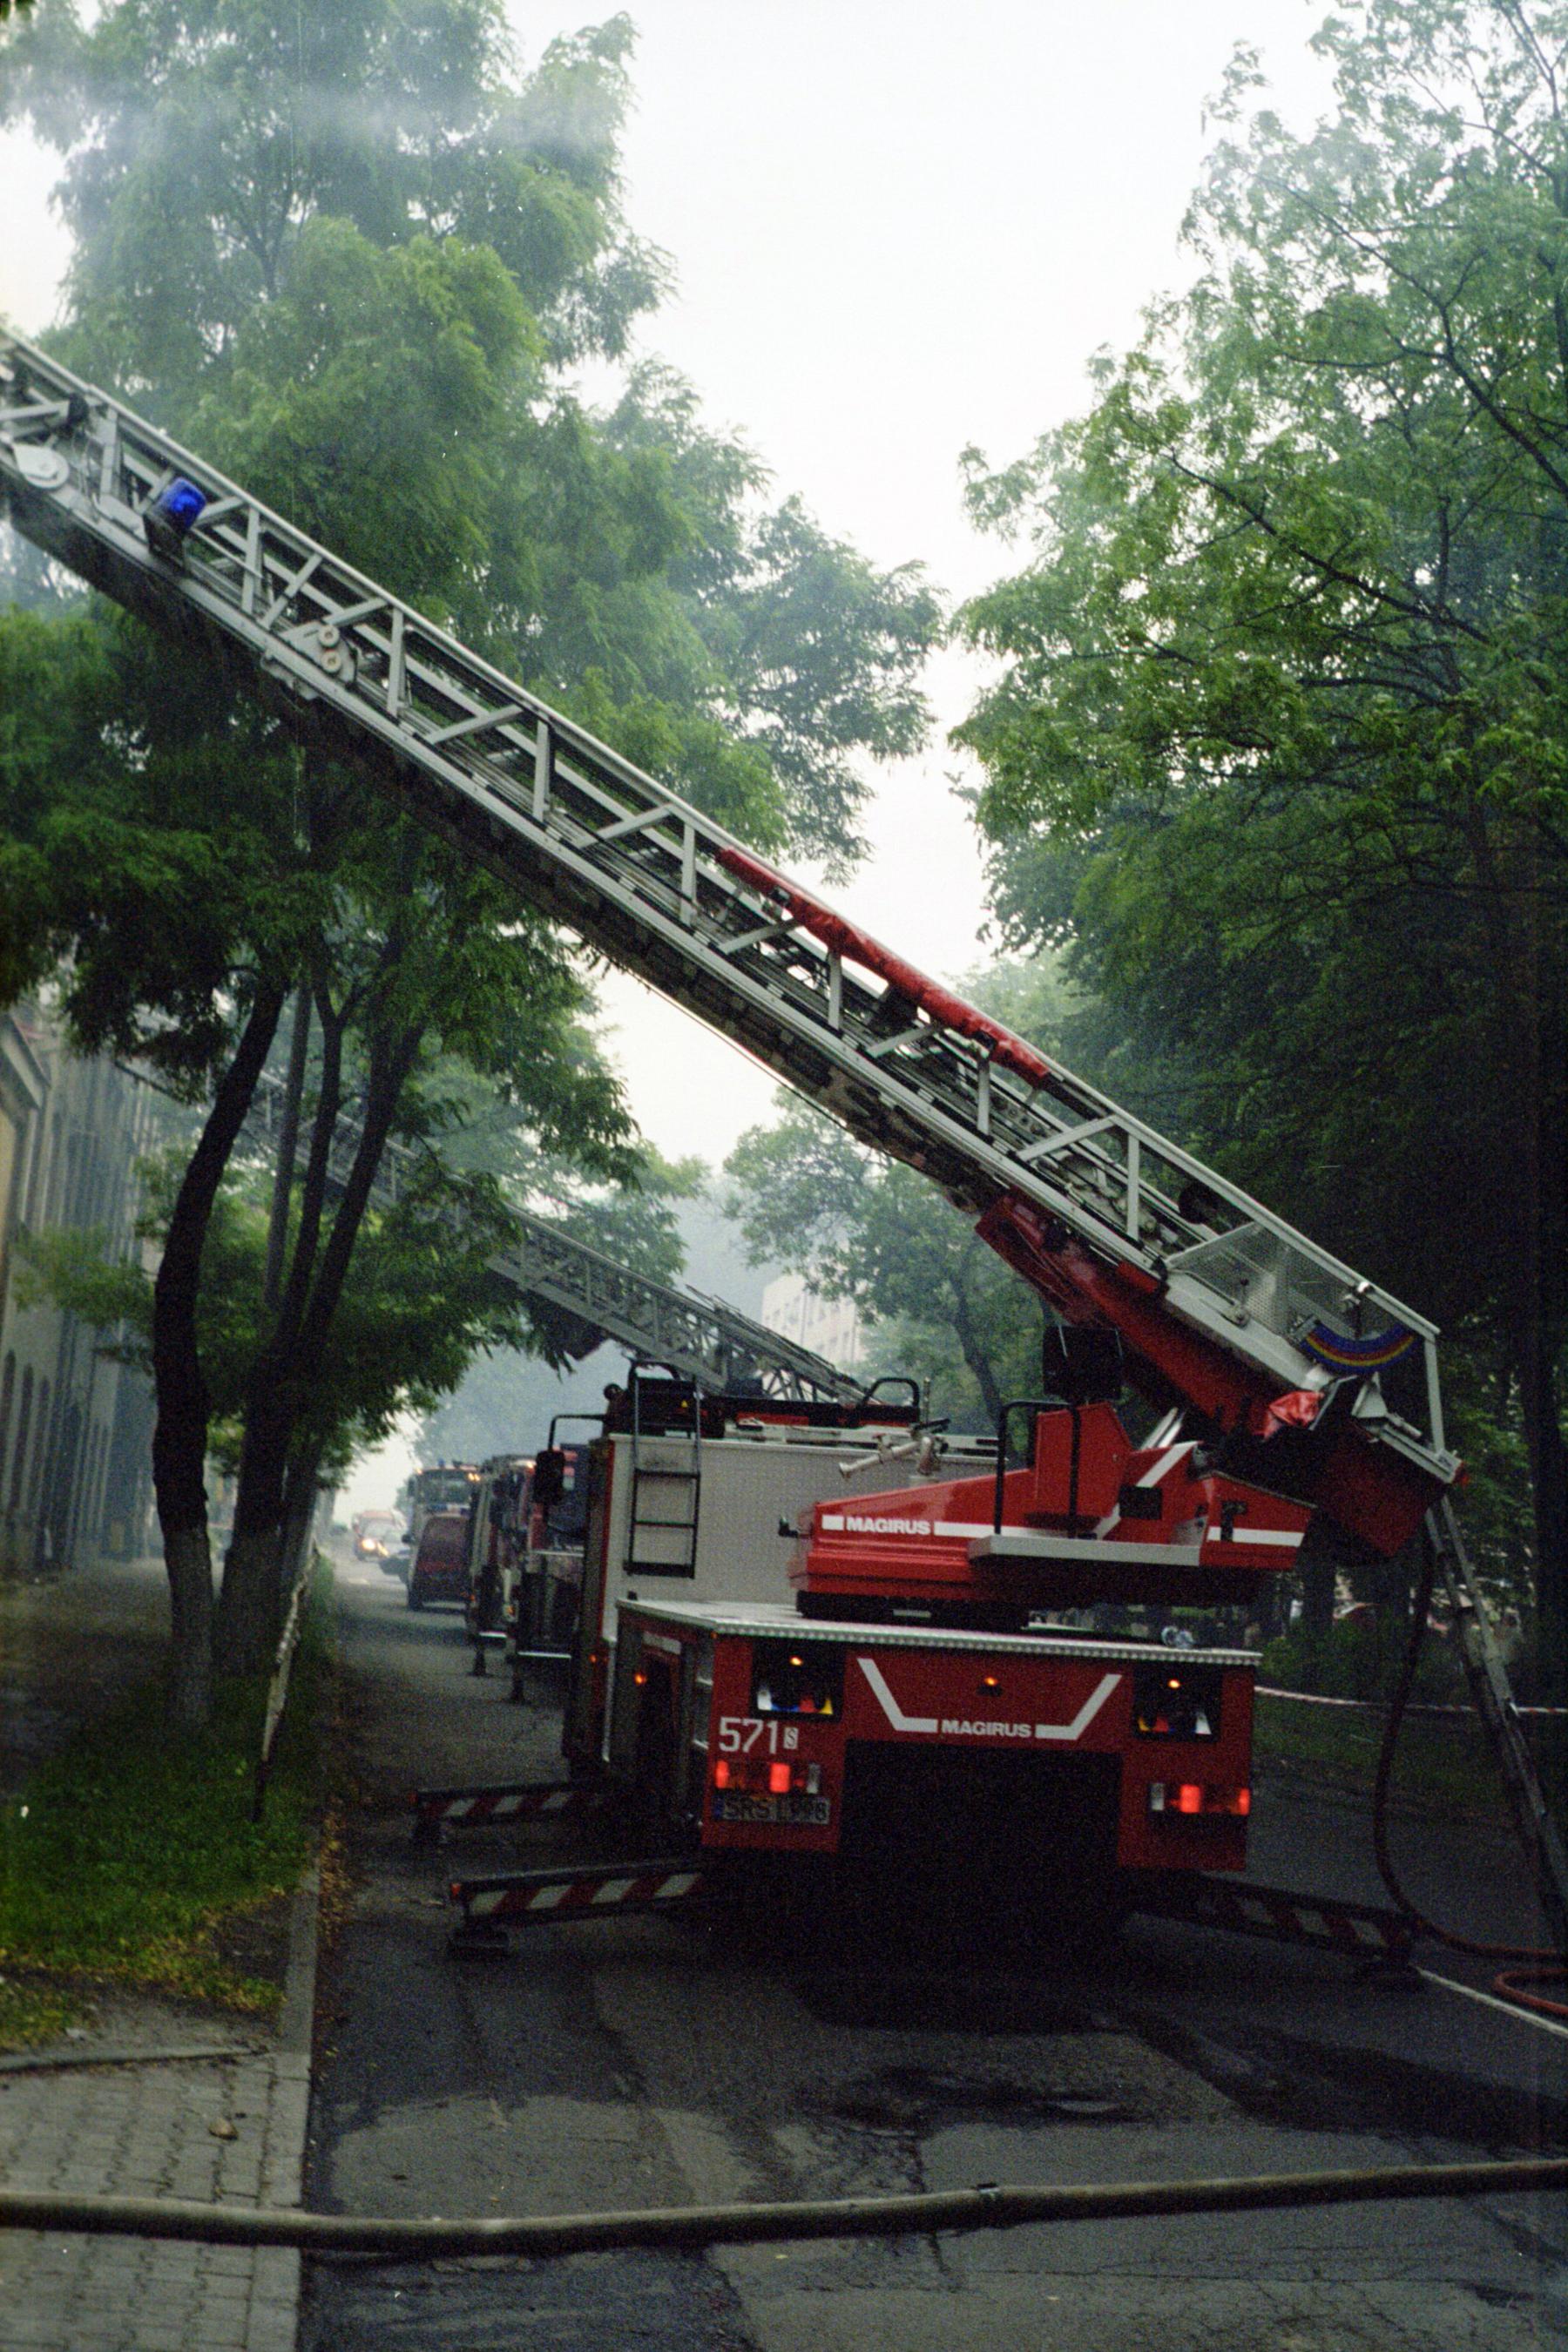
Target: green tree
(280, 230)
(438, 964)
(351, 260)
(424, 1299)
(1280, 736)
(187, 876)
(203, 136)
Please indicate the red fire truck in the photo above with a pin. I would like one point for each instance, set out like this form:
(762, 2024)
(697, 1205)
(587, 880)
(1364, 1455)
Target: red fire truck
(1024, 1671)
(935, 1686)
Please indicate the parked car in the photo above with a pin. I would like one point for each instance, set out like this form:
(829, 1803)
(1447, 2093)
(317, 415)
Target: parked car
(440, 1569)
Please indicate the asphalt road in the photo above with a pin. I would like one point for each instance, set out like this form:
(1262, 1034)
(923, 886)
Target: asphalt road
(647, 2062)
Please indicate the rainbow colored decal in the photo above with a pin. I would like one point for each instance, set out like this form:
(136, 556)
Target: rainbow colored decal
(1368, 1355)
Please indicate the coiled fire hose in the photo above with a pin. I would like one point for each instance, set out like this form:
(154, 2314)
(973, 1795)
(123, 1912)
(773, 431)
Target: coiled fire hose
(1548, 1966)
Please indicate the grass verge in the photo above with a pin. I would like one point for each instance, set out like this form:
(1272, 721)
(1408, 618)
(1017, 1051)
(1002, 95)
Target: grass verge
(1445, 1763)
(130, 1857)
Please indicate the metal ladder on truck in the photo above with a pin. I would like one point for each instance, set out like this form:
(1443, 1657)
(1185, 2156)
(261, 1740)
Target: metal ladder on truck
(1217, 1300)
(1212, 1293)
(667, 1480)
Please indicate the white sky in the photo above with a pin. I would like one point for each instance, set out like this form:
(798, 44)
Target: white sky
(898, 229)
(901, 229)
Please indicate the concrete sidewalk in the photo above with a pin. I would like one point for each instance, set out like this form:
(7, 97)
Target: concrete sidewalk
(151, 2098)
(145, 2129)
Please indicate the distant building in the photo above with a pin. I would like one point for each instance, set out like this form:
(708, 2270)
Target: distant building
(75, 1427)
(829, 1327)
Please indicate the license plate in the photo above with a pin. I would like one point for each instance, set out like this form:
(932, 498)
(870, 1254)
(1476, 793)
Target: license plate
(792, 1812)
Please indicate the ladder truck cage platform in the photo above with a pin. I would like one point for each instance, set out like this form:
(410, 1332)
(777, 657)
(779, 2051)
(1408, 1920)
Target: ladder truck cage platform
(929, 1616)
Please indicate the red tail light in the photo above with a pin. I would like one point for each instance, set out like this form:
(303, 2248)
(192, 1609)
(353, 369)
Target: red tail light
(760, 1776)
(1196, 1799)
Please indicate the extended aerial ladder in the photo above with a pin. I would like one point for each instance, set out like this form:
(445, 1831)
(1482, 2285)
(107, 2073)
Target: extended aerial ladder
(1217, 1300)
(704, 1339)
(1221, 1307)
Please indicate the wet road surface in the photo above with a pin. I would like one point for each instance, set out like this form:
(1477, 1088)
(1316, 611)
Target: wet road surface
(642, 2061)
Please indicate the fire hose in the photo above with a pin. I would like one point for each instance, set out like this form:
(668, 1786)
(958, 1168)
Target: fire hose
(988, 2206)
(1547, 1966)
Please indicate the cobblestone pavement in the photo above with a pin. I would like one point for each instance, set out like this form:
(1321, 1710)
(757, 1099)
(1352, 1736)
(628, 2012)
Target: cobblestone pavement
(145, 2129)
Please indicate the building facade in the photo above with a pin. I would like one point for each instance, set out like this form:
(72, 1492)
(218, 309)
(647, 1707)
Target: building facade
(74, 1425)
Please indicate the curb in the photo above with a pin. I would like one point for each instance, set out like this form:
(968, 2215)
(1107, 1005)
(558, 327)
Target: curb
(278, 2276)
(296, 2018)
(56, 2062)
(278, 2270)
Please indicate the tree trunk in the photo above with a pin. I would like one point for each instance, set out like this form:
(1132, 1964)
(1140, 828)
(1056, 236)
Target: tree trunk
(187, 1560)
(1317, 1579)
(288, 1137)
(250, 1605)
(1529, 956)
(970, 1346)
(248, 1611)
(299, 1509)
(1539, 1304)
(259, 1571)
(179, 1432)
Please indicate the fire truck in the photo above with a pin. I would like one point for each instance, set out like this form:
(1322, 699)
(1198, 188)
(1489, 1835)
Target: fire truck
(529, 1515)
(525, 1554)
(951, 1672)
(694, 1499)
(1009, 1647)
(442, 1486)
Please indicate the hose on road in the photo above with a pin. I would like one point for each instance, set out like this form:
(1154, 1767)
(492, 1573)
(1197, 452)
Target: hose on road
(984, 2208)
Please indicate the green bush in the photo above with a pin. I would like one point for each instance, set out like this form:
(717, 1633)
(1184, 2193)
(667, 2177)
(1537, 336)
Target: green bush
(1344, 1662)
(1358, 1660)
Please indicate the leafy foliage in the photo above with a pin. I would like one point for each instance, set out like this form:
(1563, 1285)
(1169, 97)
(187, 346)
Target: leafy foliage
(353, 259)
(205, 136)
(1279, 739)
